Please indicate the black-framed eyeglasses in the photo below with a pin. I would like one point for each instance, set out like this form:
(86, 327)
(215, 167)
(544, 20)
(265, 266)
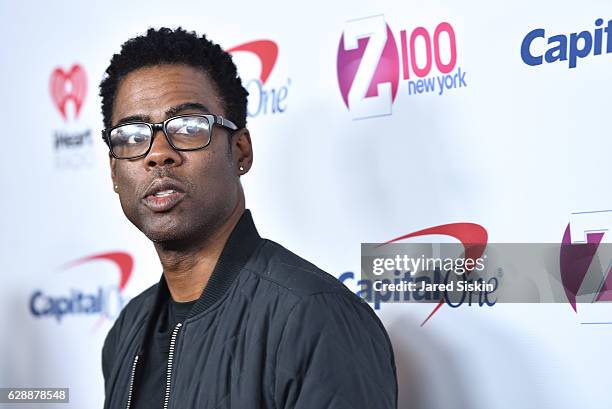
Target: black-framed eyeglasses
(189, 132)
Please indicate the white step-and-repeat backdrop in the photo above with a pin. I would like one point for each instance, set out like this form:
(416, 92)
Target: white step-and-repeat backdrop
(493, 114)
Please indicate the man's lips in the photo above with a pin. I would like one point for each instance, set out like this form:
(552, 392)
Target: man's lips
(163, 194)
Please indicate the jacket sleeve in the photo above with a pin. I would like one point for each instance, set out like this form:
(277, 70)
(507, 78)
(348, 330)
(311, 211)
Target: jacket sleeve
(107, 353)
(108, 349)
(334, 353)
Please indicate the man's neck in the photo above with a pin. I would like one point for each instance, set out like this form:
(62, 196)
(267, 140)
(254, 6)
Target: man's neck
(188, 270)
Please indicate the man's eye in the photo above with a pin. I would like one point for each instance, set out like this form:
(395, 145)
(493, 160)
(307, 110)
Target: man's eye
(130, 135)
(188, 129)
(135, 138)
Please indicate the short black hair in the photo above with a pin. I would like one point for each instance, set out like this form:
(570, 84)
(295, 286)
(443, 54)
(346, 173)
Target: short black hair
(178, 46)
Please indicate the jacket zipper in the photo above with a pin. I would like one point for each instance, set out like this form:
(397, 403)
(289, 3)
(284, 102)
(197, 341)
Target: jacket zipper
(168, 372)
(129, 400)
(170, 359)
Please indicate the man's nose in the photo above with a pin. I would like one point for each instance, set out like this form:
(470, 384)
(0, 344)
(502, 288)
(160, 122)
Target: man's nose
(161, 153)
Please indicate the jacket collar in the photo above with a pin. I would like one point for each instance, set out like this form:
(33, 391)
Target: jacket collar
(240, 245)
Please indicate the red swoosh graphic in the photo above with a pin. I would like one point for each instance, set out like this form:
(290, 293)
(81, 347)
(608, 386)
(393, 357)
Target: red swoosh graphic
(122, 260)
(265, 50)
(473, 237)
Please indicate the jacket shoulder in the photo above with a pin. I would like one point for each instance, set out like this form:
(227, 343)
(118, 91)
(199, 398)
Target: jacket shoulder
(295, 274)
(123, 328)
(134, 311)
(139, 305)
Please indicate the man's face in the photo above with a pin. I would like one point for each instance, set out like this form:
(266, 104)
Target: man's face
(170, 195)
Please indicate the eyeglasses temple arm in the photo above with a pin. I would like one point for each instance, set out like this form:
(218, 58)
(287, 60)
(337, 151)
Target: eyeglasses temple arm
(226, 123)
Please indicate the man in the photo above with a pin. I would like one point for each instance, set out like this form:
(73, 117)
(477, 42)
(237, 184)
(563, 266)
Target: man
(236, 321)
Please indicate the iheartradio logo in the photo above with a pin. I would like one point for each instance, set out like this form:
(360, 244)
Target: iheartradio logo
(67, 86)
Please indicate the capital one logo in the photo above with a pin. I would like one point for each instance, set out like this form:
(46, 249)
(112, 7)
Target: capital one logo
(472, 236)
(369, 62)
(68, 86)
(263, 98)
(570, 47)
(265, 50)
(584, 273)
(105, 301)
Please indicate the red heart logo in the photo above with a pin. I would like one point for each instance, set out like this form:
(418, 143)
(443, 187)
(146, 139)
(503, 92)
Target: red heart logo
(66, 86)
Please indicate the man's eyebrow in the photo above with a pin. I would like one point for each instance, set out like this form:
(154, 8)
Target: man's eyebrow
(134, 118)
(175, 110)
(170, 112)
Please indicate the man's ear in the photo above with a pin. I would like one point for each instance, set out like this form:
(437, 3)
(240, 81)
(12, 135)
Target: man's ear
(242, 150)
(113, 164)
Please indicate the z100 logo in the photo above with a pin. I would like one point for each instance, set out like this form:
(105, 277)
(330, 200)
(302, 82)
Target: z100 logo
(368, 64)
(586, 276)
(561, 47)
(105, 301)
(263, 99)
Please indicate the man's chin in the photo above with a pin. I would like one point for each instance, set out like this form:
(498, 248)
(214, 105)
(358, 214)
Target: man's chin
(163, 237)
(168, 232)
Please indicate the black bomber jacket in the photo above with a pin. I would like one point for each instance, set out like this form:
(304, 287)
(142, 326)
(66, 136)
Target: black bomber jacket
(270, 330)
